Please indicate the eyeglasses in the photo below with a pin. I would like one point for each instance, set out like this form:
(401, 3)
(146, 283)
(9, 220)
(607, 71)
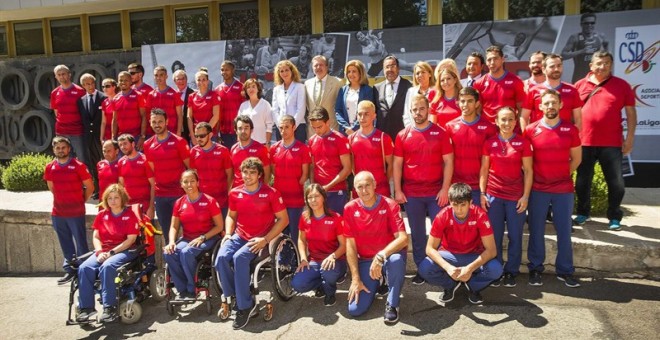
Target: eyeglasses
(108, 86)
(201, 136)
(133, 73)
(590, 23)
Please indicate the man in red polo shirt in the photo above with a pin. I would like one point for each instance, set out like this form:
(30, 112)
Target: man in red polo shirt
(213, 165)
(468, 134)
(256, 216)
(168, 156)
(423, 169)
(331, 159)
(137, 75)
(290, 159)
(64, 103)
(66, 176)
(604, 96)
(129, 111)
(499, 87)
(571, 110)
(376, 240)
(231, 97)
(167, 99)
(108, 168)
(556, 154)
(461, 248)
(136, 175)
(371, 148)
(247, 147)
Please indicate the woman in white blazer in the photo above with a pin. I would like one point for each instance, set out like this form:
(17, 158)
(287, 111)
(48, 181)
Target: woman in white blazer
(289, 98)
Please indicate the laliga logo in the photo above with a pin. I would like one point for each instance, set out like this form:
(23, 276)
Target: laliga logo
(633, 52)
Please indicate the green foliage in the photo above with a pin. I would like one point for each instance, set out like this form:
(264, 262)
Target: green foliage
(2, 169)
(598, 193)
(25, 173)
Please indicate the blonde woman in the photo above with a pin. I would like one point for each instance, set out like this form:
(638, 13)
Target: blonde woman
(423, 82)
(356, 90)
(289, 98)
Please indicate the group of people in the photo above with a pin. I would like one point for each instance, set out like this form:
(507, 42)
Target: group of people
(475, 155)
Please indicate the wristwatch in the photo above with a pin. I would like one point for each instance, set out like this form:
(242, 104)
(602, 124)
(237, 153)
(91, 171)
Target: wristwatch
(203, 236)
(111, 252)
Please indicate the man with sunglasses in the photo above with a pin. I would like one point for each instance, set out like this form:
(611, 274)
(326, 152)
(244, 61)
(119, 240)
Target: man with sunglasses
(137, 73)
(582, 45)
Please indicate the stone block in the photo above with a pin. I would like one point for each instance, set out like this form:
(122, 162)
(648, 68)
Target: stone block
(3, 249)
(18, 254)
(43, 246)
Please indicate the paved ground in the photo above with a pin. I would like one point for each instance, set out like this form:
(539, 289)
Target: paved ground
(600, 309)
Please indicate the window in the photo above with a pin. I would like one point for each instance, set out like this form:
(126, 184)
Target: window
(404, 13)
(147, 28)
(344, 15)
(239, 21)
(29, 38)
(192, 24)
(290, 17)
(593, 6)
(65, 35)
(454, 11)
(105, 32)
(3, 40)
(535, 8)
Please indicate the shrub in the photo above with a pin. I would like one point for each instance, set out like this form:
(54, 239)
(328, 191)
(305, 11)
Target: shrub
(25, 173)
(2, 168)
(598, 192)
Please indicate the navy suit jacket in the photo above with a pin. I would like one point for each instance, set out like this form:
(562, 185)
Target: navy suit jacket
(91, 119)
(366, 93)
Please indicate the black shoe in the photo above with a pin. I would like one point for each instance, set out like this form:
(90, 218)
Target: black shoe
(319, 293)
(448, 294)
(329, 300)
(474, 297)
(535, 278)
(418, 280)
(68, 277)
(383, 289)
(189, 297)
(391, 314)
(85, 315)
(497, 283)
(109, 314)
(569, 280)
(243, 317)
(509, 280)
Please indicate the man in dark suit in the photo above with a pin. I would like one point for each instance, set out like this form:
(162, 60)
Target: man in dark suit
(391, 94)
(89, 106)
(181, 81)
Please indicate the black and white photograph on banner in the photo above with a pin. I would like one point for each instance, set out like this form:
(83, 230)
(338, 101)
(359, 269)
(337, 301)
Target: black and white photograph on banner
(409, 45)
(187, 56)
(518, 39)
(256, 58)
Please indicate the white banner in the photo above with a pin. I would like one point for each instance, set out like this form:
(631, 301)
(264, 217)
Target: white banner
(635, 61)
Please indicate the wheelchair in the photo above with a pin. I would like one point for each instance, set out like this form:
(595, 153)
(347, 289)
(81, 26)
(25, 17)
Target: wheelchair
(281, 259)
(136, 280)
(204, 283)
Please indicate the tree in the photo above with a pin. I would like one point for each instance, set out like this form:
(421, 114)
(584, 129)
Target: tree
(454, 11)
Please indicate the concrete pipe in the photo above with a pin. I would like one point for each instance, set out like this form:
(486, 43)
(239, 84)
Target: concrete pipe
(3, 132)
(37, 128)
(44, 83)
(99, 72)
(13, 129)
(15, 88)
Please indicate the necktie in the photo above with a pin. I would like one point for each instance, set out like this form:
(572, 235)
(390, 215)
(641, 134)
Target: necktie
(318, 90)
(470, 82)
(390, 94)
(89, 104)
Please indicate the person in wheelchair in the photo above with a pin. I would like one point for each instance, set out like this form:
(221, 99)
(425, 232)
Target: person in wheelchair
(200, 217)
(115, 230)
(322, 247)
(256, 215)
(376, 243)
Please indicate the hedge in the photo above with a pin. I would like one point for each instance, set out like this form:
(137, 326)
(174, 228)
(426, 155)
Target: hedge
(25, 173)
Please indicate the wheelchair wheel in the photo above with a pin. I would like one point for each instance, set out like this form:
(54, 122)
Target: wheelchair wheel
(157, 284)
(130, 315)
(217, 285)
(284, 260)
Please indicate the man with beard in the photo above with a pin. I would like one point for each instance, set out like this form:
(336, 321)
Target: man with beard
(391, 94)
(247, 147)
(556, 154)
(168, 156)
(231, 98)
(136, 175)
(536, 71)
(129, 115)
(422, 169)
(66, 176)
(499, 88)
(167, 99)
(213, 165)
(571, 110)
(137, 74)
